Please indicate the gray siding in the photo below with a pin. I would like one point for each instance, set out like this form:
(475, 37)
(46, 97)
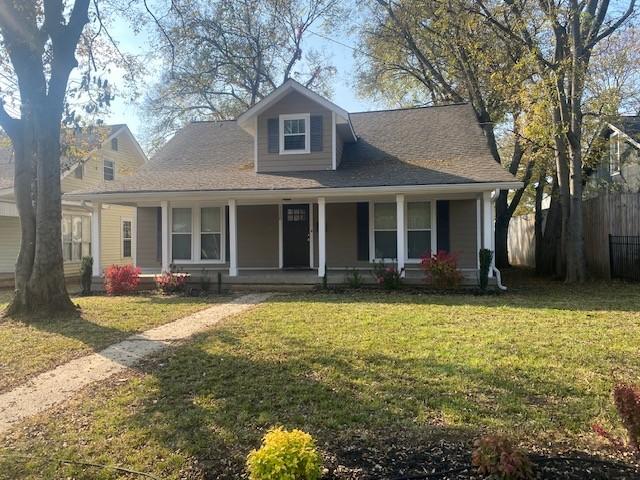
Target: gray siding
(274, 162)
(342, 236)
(463, 232)
(258, 232)
(147, 238)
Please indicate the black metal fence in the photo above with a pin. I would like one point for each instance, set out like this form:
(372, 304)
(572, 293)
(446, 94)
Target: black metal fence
(624, 256)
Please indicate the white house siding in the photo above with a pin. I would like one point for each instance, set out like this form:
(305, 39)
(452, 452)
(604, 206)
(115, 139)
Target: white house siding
(9, 243)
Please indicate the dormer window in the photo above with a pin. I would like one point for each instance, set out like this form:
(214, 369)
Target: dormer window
(294, 133)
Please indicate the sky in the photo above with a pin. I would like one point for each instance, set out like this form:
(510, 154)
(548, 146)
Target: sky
(344, 93)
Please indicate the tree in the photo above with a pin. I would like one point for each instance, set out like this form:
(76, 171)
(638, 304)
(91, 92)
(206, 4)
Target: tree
(438, 52)
(39, 40)
(573, 29)
(221, 57)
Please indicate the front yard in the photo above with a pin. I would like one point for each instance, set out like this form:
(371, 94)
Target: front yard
(379, 379)
(28, 349)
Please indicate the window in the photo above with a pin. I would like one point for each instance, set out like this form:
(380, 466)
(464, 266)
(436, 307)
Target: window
(385, 231)
(79, 172)
(418, 229)
(614, 154)
(181, 234)
(210, 233)
(294, 136)
(126, 238)
(109, 170)
(296, 215)
(76, 237)
(114, 144)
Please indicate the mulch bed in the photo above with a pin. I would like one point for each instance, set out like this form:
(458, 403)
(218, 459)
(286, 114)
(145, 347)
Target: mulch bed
(451, 461)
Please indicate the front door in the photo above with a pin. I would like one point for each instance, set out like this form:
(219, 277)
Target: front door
(295, 236)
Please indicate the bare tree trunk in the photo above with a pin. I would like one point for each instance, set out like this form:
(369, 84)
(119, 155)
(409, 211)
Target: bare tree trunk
(539, 222)
(551, 259)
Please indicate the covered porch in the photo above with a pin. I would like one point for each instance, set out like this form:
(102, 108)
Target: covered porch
(277, 238)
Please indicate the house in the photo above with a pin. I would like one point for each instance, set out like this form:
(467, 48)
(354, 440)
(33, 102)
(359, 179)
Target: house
(108, 154)
(618, 165)
(296, 187)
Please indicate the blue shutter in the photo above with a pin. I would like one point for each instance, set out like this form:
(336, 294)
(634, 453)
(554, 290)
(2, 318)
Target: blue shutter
(362, 222)
(442, 225)
(316, 133)
(273, 128)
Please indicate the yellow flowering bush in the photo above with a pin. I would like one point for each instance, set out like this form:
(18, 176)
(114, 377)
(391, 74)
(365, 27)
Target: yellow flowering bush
(285, 455)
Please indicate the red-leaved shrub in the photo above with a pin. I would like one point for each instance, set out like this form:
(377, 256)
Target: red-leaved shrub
(121, 279)
(498, 456)
(169, 282)
(441, 269)
(627, 400)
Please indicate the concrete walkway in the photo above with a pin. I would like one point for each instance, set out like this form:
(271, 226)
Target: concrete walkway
(61, 383)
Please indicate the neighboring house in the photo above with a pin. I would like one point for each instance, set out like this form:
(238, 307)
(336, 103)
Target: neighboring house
(619, 166)
(297, 188)
(111, 155)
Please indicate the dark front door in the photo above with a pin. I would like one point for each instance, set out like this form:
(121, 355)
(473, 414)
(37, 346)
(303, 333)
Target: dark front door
(295, 236)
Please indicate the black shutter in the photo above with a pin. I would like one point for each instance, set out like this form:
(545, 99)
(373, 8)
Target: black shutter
(227, 244)
(316, 133)
(363, 231)
(159, 234)
(442, 225)
(273, 128)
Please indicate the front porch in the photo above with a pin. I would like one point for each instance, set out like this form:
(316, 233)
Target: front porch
(299, 240)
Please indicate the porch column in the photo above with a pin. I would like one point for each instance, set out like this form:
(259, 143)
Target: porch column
(487, 222)
(164, 206)
(233, 239)
(322, 238)
(96, 221)
(400, 230)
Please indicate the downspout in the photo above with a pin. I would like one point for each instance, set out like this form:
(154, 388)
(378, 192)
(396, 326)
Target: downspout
(496, 272)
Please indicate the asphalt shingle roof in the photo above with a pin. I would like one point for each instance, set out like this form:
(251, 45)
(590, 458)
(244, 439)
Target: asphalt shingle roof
(422, 146)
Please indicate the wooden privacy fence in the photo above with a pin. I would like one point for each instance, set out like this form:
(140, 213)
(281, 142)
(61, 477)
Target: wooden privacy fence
(616, 214)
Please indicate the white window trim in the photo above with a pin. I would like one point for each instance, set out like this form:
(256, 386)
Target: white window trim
(122, 239)
(196, 234)
(432, 229)
(74, 214)
(372, 230)
(113, 163)
(307, 134)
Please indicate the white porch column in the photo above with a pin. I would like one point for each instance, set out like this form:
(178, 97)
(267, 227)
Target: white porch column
(165, 235)
(400, 230)
(233, 239)
(487, 222)
(322, 238)
(96, 222)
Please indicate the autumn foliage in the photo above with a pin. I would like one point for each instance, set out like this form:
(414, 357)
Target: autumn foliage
(121, 279)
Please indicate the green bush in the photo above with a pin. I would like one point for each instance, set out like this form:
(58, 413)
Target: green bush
(86, 274)
(354, 278)
(285, 455)
(485, 257)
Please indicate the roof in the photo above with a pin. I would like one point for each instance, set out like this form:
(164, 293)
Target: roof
(422, 146)
(81, 135)
(628, 124)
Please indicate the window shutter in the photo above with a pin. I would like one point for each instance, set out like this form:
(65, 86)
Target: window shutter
(442, 225)
(273, 128)
(315, 130)
(363, 231)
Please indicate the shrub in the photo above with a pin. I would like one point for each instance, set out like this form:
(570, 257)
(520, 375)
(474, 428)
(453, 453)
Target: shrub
(205, 281)
(120, 279)
(627, 400)
(169, 282)
(496, 455)
(441, 269)
(86, 274)
(285, 455)
(353, 278)
(485, 256)
(388, 277)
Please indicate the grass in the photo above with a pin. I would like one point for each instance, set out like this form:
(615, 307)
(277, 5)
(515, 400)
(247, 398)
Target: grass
(30, 348)
(364, 372)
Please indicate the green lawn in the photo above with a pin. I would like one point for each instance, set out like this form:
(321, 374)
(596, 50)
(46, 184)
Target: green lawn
(364, 373)
(27, 349)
